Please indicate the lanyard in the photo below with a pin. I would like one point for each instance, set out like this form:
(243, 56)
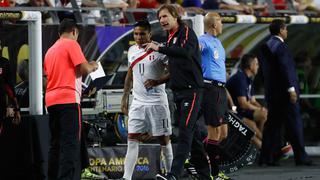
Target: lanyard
(171, 36)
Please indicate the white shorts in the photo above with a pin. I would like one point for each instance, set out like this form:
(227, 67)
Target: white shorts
(154, 119)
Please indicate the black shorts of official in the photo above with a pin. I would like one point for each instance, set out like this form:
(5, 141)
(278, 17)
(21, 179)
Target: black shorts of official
(244, 113)
(214, 105)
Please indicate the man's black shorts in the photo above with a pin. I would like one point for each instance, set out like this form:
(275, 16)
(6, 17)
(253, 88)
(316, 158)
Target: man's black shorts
(214, 104)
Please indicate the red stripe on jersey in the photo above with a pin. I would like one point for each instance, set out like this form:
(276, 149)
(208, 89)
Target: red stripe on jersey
(140, 58)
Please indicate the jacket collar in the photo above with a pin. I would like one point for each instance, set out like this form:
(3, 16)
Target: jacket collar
(280, 38)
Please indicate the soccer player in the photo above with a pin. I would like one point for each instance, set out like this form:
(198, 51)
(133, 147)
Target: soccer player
(149, 113)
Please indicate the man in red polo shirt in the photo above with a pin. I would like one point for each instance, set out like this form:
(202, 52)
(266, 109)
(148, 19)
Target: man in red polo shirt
(64, 66)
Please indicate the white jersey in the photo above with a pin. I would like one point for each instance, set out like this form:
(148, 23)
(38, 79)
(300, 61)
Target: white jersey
(152, 66)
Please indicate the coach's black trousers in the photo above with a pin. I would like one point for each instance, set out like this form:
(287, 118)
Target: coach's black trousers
(188, 104)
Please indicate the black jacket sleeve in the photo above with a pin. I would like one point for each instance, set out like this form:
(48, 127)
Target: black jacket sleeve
(286, 65)
(187, 43)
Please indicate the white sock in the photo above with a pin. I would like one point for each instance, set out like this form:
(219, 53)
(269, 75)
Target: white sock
(131, 159)
(168, 156)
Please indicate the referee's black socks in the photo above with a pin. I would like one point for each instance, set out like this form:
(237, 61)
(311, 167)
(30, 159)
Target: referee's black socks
(213, 150)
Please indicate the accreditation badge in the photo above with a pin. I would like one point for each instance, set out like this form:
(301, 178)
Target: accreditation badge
(215, 54)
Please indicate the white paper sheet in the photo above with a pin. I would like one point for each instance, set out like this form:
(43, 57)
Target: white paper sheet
(97, 73)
